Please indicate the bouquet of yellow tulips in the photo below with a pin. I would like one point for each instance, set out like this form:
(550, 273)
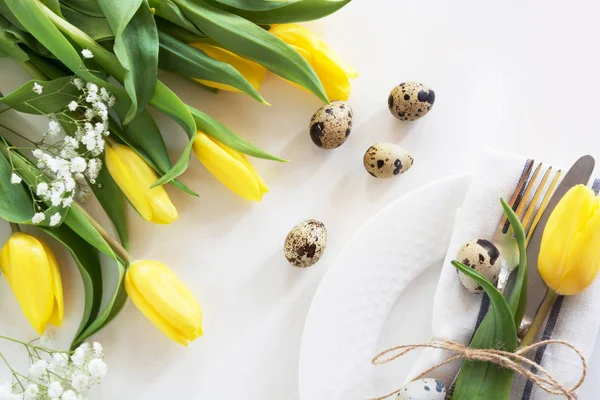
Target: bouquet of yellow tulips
(75, 51)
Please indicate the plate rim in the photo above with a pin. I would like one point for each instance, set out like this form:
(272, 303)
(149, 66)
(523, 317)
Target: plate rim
(311, 311)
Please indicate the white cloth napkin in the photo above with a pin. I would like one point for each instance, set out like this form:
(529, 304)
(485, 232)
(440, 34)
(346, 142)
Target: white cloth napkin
(456, 311)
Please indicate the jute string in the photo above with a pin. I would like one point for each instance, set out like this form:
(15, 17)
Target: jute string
(515, 361)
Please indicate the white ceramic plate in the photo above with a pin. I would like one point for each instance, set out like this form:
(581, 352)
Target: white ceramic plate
(378, 292)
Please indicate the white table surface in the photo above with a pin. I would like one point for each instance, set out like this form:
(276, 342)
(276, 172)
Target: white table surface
(519, 76)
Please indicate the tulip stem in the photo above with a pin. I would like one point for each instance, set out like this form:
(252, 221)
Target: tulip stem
(112, 242)
(540, 317)
(14, 227)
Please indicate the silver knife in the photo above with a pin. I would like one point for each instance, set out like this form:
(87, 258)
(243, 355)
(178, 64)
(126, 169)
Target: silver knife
(580, 173)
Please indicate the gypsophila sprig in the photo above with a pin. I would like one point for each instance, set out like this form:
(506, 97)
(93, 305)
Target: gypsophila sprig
(56, 375)
(69, 160)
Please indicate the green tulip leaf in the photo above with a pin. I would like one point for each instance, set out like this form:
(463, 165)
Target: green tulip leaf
(9, 43)
(178, 32)
(96, 27)
(169, 11)
(54, 5)
(87, 7)
(484, 380)
(518, 297)
(188, 61)
(253, 5)
(16, 204)
(87, 260)
(56, 94)
(251, 41)
(220, 132)
(115, 305)
(136, 47)
(287, 12)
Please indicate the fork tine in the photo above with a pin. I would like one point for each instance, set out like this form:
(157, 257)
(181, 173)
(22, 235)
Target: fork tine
(528, 190)
(534, 201)
(515, 196)
(545, 201)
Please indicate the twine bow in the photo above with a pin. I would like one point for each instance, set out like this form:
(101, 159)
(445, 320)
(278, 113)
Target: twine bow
(505, 359)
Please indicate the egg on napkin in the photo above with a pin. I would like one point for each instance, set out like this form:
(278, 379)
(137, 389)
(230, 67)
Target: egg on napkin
(482, 256)
(305, 243)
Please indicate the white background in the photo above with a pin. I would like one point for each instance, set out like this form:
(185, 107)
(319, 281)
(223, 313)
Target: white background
(515, 75)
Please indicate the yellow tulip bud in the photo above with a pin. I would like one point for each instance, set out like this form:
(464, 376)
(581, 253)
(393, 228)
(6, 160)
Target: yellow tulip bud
(231, 167)
(334, 73)
(253, 72)
(569, 257)
(161, 296)
(134, 176)
(30, 269)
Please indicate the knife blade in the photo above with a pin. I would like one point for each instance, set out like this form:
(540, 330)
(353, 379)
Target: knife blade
(580, 173)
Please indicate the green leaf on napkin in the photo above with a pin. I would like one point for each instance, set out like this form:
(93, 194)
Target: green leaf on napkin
(498, 330)
(56, 94)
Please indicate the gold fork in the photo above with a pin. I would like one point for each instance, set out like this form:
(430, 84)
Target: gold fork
(529, 214)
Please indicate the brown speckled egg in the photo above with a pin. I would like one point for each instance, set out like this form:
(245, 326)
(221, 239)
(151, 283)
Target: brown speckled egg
(410, 101)
(386, 160)
(482, 256)
(330, 126)
(305, 243)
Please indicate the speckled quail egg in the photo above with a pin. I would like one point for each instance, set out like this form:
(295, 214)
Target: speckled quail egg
(482, 256)
(305, 243)
(330, 126)
(423, 389)
(385, 160)
(410, 101)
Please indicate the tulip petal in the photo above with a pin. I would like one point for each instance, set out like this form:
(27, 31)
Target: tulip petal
(565, 240)
(31, 279)
(59, 308)
(253, 72)
(169, 296)
(334, 73)
(227, 169)
(140, 302)
(5, 266)
(244, 160)
(134, 176)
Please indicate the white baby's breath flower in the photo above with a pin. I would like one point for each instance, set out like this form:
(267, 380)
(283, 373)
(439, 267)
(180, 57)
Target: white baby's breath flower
(91, 87)
(15, 179)
(55, 198)
(38, 218)
(37, 88)
(69, 395)
(78, 83)
(32, 392)
(80, 382)
(60, 359)
(111, 101)
(78, 164)
(89, 114)
(98, 350)
(42, 189)
(55, 390)
(97, 369)
(38, 368)
(55, 219)
(37, 153)
(72, 106)
(53, 128)
(86, 53)
(67, 202)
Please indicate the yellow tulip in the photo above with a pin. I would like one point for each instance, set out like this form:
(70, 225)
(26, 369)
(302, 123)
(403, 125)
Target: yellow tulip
(334, 73)
(253, 72)
(229, 166)
(161, 296)
(569, 258)
(134, 176)
(31, 271)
